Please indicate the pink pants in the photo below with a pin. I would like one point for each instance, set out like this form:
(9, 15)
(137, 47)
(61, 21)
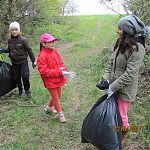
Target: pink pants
(54, 101)
(123, 107)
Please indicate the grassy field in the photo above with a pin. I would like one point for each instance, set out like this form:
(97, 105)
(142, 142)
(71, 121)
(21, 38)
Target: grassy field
(84, 49)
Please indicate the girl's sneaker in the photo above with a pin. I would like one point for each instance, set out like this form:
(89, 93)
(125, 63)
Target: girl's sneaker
(61, 117)
(48, 109)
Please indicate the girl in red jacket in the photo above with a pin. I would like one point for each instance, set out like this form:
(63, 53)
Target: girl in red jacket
(53, 72)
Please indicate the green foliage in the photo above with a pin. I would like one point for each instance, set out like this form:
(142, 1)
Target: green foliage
(147, 59)
(91, 38)
(27, 13)
(30, 14)
(29, 127)
(137, 7)
(141, 9)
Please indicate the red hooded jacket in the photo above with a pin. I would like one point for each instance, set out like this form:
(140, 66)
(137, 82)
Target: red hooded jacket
(49, 63)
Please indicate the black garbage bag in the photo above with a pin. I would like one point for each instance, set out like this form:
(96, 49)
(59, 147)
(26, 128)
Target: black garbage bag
(99, 126)
(7, 82)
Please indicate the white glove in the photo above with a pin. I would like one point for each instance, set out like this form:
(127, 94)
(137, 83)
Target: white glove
(108, 81)
(109, 92)
(62, 68)
(70, 75)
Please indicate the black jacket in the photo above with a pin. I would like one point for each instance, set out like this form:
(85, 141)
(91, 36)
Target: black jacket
(19, 49)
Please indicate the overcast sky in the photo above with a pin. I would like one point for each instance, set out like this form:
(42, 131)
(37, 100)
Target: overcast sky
(93, 7)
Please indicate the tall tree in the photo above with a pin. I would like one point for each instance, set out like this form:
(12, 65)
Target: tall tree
(30, 13)
(136, 7)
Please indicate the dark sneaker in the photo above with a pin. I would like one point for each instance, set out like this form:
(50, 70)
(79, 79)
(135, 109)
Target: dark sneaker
(28, 93)
(20, 94)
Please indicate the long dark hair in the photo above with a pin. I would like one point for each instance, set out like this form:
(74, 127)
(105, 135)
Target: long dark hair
(125, 43)
(41, 46)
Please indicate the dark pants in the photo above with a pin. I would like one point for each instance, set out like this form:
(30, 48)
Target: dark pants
(21, 71)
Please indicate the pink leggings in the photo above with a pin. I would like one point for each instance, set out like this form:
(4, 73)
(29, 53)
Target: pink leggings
(54, 101)
(123, 107)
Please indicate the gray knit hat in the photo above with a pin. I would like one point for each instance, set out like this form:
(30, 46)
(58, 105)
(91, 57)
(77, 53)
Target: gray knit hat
(132, 25)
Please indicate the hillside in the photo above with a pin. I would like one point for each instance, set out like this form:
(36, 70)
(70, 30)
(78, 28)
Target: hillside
(85, 50)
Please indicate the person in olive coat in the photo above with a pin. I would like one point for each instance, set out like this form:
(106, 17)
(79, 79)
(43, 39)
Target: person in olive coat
(126, 60)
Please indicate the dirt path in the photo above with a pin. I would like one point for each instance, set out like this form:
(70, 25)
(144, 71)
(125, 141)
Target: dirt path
(83, 65)
(76, 62)
(79, 62)
(76, 104)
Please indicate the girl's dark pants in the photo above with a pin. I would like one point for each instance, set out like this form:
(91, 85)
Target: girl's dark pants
(21, 71)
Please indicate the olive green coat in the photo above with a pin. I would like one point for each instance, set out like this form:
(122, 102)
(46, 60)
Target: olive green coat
(122, 72)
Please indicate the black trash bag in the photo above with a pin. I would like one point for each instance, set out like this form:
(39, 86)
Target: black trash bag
(7, 82)
(99, 126)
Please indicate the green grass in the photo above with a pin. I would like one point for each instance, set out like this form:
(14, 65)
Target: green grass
(28, 128)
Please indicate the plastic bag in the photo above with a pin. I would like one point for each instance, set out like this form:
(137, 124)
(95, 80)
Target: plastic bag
(7, 82)
(99, 126)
